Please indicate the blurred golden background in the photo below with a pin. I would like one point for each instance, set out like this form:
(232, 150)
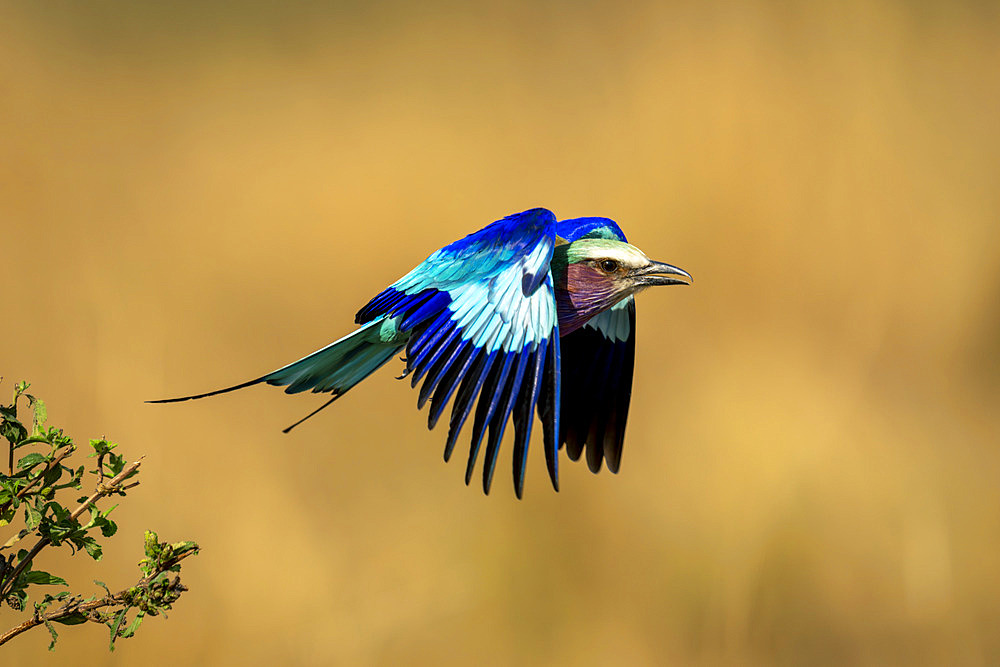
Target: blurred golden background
(195, 193)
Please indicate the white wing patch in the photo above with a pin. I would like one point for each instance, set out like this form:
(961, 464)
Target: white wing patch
(613, 323)
(498, 315)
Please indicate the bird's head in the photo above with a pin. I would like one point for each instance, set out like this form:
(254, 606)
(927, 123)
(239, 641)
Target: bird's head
(591, 275)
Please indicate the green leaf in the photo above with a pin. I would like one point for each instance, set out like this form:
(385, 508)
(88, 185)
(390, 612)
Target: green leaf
(40, 577)
(134, 625)
(101, 446)
(30, 460)
(151, 543)
(108, 527)
(32, 517)
(14, 540)
(52, 475)
(181, 547)
(49, 598)
(75, 618)
(92, 547)
(114, 627)
(10, 427)
(55, 636)
(41, 415)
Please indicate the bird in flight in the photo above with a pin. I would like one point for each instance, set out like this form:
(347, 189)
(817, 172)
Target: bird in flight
(529, 313)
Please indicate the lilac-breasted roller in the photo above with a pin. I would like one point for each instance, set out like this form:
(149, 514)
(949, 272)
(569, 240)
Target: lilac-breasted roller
(528, 313)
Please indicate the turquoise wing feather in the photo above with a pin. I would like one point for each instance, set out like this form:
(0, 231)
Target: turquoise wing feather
(481, 318)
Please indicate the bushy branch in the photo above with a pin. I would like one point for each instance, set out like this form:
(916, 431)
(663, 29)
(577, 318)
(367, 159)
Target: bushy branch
(33, 486)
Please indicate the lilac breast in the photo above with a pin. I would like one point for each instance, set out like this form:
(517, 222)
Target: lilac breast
(581, 293)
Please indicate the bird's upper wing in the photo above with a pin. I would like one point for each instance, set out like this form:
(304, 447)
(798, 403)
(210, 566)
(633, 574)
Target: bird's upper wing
(482, 317)
(599, 358)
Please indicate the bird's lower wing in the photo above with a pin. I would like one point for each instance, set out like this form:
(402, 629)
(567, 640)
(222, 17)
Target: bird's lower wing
(598, 360)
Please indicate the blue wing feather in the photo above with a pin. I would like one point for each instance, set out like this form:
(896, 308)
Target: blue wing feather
(499, 421)
(590, 228)
(523, 416)
(449, 383)
(485, 408)
(465, 399)
(478, 313)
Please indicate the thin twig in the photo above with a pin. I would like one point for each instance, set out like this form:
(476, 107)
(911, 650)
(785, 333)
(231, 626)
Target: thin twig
(100, 467)
(102, 490)
(74, 606)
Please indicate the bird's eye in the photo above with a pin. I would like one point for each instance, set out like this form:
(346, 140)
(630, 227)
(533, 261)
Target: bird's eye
(609, 265)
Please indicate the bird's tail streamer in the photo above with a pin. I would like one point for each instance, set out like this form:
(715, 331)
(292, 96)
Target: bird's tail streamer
(335, 368)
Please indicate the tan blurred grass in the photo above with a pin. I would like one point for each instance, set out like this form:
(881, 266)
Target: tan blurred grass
(195, 195)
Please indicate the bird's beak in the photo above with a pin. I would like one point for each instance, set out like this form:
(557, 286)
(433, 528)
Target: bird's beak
(658, 273)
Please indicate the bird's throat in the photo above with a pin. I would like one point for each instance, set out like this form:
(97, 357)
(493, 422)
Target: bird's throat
(581, 293)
